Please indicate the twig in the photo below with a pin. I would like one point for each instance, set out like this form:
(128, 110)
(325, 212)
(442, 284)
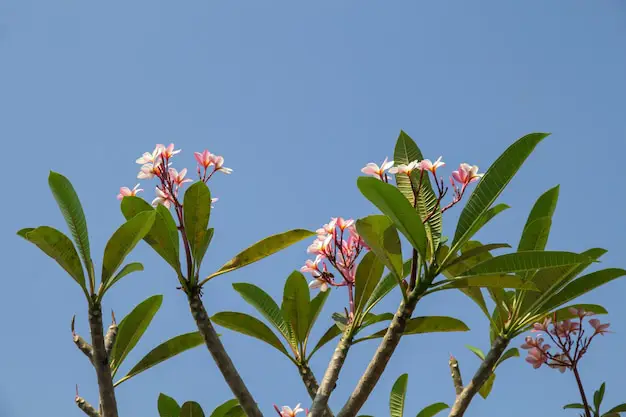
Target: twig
(310, 382)
(81, 343)
(85, 406)
(101, 363)
(455, 373)
(109, 339)
(485, 369)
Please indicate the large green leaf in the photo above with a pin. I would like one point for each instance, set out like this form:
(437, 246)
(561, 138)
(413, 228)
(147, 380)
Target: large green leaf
(617, 409)
(167, 406)
(315, 307)
(371, 319)
(493, 183)
(385, 286)
(525, 261)
(432, 410)
(163, 236)
(196, 213)
(407, 151)
(419, 325)
(191, 409)
(59, 247)
(72, 211)
(123, 241)
(397, 396)
(383, 240)
(537, 228)
(394, 205)
(368, 275)
(582, 286)
(296, 304)
(265, 305)
(330, 334)
(485, 390)
(131, 328)
(163, 352)
(207, 237)
(250, 326)
(473, 253)
(477, 351)
(127, 269)
(598, 396)
(488, 281)
(262, 249)
(224, 408)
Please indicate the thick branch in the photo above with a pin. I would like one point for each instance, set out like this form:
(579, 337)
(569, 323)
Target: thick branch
(320, 403)
(308, 378)
(379, 362)
(455, 373)
(86, 407)
(109, 339)
(101, 363)
(485, 369)
(223, 361)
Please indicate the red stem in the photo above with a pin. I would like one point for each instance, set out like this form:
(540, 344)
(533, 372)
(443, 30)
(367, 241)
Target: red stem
(582, 391)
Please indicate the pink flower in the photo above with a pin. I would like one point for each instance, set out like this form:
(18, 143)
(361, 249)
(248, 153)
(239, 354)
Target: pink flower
(150, 158)
(311, 266)
(178, 178)
(466, 174)
(218, 161)
(125, 191)
(375, 170)
(541, 327)
(404, 168)
(162, 198)
(328, 228)
(169, 151)
(580, 312)
(149, 170)
(288, 412)
(427, 165)
(536, 357)
(318, 282)
(599, 327)
(560, 362)
(204, 158)
(213, 200)
(344, 224)
(564, 328)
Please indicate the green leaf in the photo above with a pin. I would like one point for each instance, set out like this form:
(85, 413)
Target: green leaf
(392, 203)
(511, 353)
(317, 303)
(330, 334)
(296, 306)
(72, 211)
(207, 237)
(433, 410)
(385, 286)
(477, 352)
(493, 183)
(265, 305)
(168, 407)
(221, 410)
(371, 319)
(525, 261)
(488, 281)
(59, 247)
(368, 275)
(397, 396)
(250, 326)
(480, 222)
(574, 406)
(163, 236)
(406, 151)
(473, 253)
(163, 352)
(582, 286)
(123, 242)
(131, 328)
(565, 314)
(382, 238)
(196, 213)
(598, 396)
(191, 409)
(618, 409)
(236, 411)
(419, 325)
(262, 249)
(127, 269)
(485, 390)
(537, 227)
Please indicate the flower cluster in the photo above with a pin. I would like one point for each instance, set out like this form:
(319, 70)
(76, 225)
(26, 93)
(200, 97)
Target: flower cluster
(568, 337)
(286, 411)
(157, 164)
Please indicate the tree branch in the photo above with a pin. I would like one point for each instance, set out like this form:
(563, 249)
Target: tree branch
(86, 407)
(101, 363)
(485, 369)
(310, 382)
(223, 361)
(320, 403)
(377, 365)
(109, 339)
(81, 344)
(455, 373)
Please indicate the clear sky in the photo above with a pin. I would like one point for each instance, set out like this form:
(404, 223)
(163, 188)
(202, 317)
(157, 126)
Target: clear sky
(298, 98)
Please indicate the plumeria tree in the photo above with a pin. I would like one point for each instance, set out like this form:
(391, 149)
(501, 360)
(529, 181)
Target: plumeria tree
(520, 290)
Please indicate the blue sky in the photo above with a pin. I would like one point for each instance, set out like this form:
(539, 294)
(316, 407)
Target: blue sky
(298, 98)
